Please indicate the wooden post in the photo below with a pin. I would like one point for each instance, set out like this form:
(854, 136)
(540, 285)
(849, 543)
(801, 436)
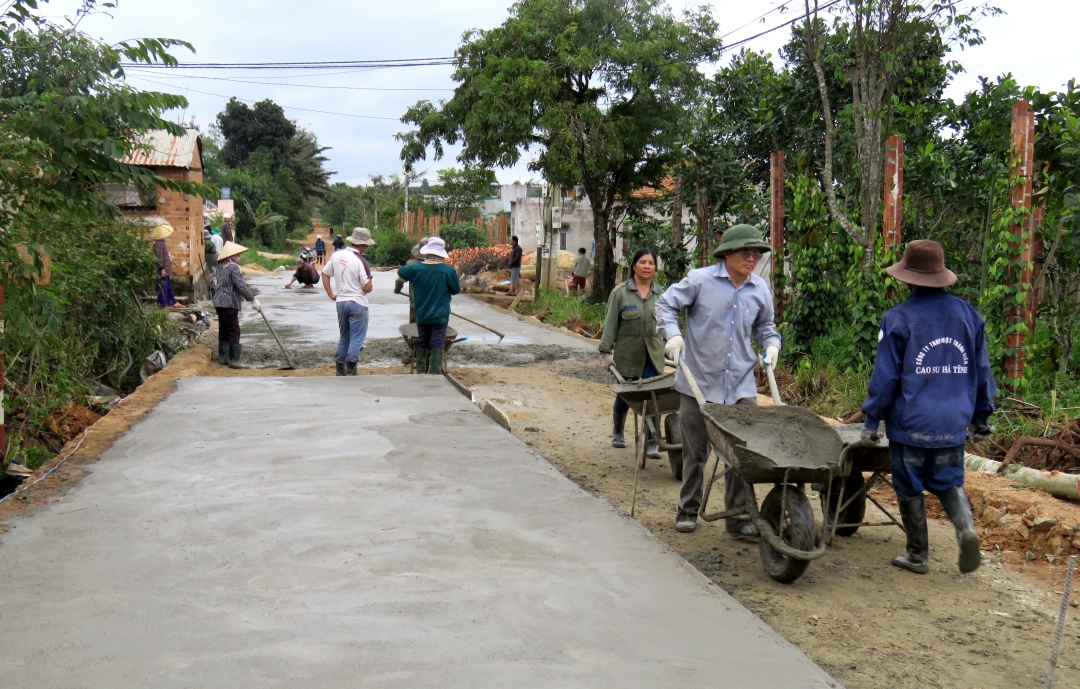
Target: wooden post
(776, 230)
(704, 239)
(3, 381)
(894, 194)
(1020, 245)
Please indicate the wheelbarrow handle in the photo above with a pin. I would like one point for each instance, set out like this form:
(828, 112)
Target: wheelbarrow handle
(693, 383)
(615, 373)
(772, 384)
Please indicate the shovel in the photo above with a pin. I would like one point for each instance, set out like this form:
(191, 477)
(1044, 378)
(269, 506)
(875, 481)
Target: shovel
(290, 367)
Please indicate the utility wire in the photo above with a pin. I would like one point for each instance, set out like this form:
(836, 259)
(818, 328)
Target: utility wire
(361, 64)
(323, 112)
(306, 86)
(757, 19)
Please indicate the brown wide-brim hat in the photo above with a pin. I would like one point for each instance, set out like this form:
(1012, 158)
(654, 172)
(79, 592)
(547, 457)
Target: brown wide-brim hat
(230, 249)
(923, 265)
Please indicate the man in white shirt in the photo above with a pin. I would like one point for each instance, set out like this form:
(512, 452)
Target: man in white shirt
(353, 275)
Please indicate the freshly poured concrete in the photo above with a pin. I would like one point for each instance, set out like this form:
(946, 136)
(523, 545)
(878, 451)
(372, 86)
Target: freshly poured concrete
(299, 314)
(341, 532)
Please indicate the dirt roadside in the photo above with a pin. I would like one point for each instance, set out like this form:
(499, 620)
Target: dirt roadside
(865, 622)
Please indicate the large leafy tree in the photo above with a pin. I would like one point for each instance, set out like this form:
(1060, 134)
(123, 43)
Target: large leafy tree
(266, 159)
(459, 191)
(595, 90)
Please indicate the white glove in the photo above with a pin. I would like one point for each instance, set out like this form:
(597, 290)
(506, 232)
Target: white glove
(256, 305)
(606, 359)
(674, 348)
(771, 355)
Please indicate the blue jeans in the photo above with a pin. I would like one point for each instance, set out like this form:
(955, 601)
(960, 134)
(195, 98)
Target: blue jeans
(649, 371)
(915, 469)
(352, 321)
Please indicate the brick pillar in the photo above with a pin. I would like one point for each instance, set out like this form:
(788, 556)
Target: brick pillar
(776, 229)
(894, 193)
(1020, 245)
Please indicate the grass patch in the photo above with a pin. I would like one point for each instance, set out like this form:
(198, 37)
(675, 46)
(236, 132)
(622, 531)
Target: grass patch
(252, 256)
(557, 309)
(827, 389)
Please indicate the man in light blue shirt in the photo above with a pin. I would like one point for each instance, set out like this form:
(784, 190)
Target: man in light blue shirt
(725, 305)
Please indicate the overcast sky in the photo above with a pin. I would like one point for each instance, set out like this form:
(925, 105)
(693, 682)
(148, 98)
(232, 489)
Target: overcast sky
(1037, 45)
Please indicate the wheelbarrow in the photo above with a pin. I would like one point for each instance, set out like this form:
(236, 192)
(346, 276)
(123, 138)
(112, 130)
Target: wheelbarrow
(789, 447)
(411, 335)
(650, 399)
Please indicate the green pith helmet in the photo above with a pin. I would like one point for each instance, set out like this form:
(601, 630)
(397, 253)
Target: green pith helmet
(741, 237)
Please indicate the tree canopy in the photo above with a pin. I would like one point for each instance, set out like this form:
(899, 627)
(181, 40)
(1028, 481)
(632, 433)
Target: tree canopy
(595, 90)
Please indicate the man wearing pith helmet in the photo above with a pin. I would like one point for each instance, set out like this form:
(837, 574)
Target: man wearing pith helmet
(931, 382)
(727, 307)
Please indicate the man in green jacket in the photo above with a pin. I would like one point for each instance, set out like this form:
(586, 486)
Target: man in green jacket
(431, 285)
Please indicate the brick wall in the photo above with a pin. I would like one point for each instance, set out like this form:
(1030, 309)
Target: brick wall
(185, 213)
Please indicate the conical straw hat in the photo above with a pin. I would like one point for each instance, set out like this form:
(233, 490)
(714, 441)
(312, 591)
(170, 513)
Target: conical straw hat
(161, 231)
(230, 249)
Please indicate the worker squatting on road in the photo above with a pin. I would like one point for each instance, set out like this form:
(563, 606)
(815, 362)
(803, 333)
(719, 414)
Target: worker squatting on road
(354, 283)
(399, 284)
(931, 381)
(725, 305)
(306, 274)
(227, 301)
(431, 284)
(630, 330)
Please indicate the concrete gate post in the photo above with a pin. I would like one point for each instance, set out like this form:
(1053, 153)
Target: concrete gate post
(1021, 246)
(776, 229)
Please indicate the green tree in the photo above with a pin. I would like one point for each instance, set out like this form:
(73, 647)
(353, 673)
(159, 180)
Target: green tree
(460, 191)
(597, 89)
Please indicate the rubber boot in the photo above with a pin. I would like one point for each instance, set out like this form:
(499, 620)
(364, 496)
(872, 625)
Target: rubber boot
(618, 425)
(958, 508)
(234, 357)
(652, 450)
(339, 368)
(222, 353)
(350, 368)
(435, 362)
(422, 355)
(913, 513)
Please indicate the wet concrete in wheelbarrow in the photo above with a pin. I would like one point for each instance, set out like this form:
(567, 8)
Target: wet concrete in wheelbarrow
(220, 543)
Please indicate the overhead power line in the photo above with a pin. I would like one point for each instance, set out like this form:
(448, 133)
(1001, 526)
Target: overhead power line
(756, 19)
(306, 86)
(323, 112)
(352, 64)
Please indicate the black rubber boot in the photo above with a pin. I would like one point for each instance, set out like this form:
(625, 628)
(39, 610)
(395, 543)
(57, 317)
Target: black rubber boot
(422, 355)
(339, 369)
(435, 361)
(222, 353)
(958, 508)
(234, 356)
(913, 513)
(652, 450)
(618, 424)
(350, 368)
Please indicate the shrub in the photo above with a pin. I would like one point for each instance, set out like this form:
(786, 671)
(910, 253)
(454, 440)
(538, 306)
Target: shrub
(392, 248)
(463, 235)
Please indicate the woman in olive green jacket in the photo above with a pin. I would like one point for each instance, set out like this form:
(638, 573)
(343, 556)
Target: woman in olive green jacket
(630, 328)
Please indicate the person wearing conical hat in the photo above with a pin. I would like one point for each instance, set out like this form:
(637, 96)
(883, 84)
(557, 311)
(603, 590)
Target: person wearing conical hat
(231, 289)
(727, 308)
(931, 385)
(160, 229)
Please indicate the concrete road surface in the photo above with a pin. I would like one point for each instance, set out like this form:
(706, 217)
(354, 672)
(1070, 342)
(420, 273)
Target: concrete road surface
(230, 540)
(308, 315)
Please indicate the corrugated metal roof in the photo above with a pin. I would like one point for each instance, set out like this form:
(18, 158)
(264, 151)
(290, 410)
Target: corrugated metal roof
(159, 148)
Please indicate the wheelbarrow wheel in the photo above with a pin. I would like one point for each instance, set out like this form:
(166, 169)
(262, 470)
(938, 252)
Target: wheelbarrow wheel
(798, 532)
(856, 509)
(673, 436)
